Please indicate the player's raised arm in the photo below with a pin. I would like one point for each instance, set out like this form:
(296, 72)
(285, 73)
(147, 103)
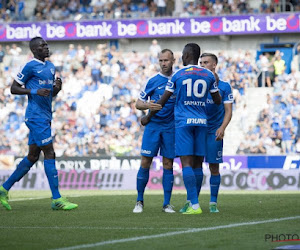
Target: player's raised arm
(17, 89)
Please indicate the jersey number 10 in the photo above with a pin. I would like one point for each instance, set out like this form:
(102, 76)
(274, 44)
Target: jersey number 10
(196, 93)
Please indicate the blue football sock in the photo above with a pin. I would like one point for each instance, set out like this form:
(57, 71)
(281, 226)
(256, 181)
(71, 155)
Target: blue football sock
(22, 169)
(215, 181)
(199, 178)
(168, 179)
(141, 182)
(190, 184)
(52, 176)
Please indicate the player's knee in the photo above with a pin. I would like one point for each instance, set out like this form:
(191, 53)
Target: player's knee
(168, 163)
(33, 158)
(49, 154)
(214, 169)
(146, 162)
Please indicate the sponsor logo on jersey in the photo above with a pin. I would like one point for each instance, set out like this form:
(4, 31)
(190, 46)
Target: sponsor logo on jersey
(52, 71)
(196, 121)
(42, 82)
(230, 97)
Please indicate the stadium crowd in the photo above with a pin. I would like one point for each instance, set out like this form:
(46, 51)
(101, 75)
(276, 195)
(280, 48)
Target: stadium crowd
(277, 129)
(55, 10)
(95, 112)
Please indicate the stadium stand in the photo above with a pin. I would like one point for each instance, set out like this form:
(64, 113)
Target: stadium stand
(102, 84)
(55, 10)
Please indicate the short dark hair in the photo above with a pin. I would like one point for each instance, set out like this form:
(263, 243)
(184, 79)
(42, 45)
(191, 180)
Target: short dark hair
(33, 41)
(194, 49)
(213, 56)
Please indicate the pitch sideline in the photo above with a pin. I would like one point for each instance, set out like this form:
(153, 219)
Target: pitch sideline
(110, 242)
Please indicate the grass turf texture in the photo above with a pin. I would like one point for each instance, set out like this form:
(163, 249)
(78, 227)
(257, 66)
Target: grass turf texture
(107, 216)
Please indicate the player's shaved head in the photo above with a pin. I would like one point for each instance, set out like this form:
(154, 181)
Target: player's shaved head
(193, 49)
(191, 54)
(33, 42)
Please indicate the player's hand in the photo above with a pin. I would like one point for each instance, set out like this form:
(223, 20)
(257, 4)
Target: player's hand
(58, 83)
(43, 92)
(154, 106)
(145, 120)
(220, 134)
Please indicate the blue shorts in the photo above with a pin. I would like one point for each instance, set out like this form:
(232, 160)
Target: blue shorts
(214, 149)
(190, 140)
(155, 139)
(39, 132)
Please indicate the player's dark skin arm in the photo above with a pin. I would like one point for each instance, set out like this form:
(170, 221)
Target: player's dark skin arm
(216, 97)
(162, 101)
(17, 89)
(57, 86)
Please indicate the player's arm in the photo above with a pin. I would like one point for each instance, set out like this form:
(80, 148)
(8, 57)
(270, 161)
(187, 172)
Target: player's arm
(17, 89)
(142, 105)
(162, 101)
(227, 117)
(57, 86)
(216, 97)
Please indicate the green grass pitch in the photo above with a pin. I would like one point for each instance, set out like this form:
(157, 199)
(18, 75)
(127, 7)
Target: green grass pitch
(104, 220)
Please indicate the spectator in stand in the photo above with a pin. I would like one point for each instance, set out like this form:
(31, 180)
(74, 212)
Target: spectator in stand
(279, 64)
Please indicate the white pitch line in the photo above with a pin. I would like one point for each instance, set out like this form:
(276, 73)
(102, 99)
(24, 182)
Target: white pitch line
(196, 230)
(98, 228)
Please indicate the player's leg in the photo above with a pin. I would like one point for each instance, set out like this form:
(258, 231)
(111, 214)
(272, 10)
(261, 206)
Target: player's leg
(215, 180)
(141, 183)
(167, 182)
(214, 157)
(58, 202)
(167, 150)
(21, 170)
(184, 137)
(150, 146)
(198, 171)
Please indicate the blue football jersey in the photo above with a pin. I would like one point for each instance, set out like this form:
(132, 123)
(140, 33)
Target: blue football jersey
(37, 74)
(192, 84)
(154, 89)
(216, 113)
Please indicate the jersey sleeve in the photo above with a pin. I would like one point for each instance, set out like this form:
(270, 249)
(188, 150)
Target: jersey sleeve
(171, 84)
(228, 96)
(146, 91)
(213, 86)
(24, 74)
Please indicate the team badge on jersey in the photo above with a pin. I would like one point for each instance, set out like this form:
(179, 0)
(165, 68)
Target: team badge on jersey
(20, 76)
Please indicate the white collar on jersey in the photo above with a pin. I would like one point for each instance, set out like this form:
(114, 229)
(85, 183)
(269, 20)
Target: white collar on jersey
(165, 75)
(38, 60)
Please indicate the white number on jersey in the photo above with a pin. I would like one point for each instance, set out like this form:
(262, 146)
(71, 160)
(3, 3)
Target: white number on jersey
(196, 93)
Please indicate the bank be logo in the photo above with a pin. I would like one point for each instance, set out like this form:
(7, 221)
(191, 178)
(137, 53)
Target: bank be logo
(291, 162)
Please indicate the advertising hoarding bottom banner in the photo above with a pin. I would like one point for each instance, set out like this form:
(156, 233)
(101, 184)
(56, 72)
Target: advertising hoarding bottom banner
(243, 179)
